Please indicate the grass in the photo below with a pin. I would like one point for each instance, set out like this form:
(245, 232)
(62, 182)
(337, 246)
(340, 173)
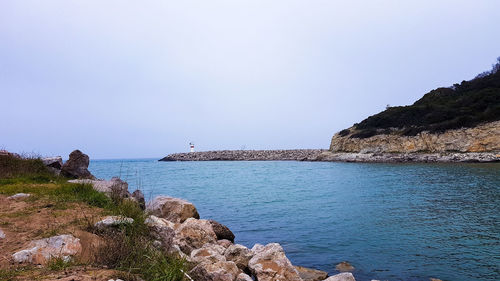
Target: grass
(128, 248)
(59, 263)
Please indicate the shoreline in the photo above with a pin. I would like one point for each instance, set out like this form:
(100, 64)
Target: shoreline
(323, 155)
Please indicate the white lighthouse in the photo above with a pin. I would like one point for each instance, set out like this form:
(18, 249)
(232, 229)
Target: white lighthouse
(191, 147)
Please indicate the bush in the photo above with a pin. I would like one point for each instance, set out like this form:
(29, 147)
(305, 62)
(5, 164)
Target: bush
(464, 105)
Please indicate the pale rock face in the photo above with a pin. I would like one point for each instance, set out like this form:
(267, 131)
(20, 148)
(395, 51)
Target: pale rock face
(172, 209)
(193, 234)
(19, 196)
(482, 138)
(2, 234)
(210, 253)
(114, 186)
(238, 254)
(53, 162)
(309, 274)
(41, 251)
(269, 263)
(219, 271)
(113, 221)
(164, 231)
(154, 221)
(345, 276)
(243, 277)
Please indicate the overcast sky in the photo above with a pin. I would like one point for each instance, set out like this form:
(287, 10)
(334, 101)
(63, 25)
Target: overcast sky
(120, 79)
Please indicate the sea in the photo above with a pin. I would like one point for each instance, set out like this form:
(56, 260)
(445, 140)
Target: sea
(390, 221)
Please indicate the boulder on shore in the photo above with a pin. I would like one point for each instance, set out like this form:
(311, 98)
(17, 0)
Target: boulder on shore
(269, 263)
(210, 253)
(53, 162)
(309, 274)
(222, 231)
(172, 209)
(114, 187)
(345, 276)
(219, 271)
(113, 221)
(238, 254)
(77, 166)
(41, 251)
(344, 267)
(193, 234)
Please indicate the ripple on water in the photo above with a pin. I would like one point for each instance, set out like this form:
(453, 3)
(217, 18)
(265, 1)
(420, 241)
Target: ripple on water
(391, 221)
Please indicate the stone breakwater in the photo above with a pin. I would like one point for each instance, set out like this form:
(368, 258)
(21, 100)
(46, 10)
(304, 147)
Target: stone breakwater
(322, 155)
(248, 155)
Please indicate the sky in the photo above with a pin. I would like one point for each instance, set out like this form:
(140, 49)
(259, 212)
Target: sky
(133, 79)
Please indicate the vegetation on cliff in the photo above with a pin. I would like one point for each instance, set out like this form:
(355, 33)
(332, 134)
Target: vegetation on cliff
(463, 105)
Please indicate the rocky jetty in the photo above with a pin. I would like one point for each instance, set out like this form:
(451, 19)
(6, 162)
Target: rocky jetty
(247, 155)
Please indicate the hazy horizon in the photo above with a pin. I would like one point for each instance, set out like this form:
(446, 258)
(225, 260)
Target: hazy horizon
(123, 79)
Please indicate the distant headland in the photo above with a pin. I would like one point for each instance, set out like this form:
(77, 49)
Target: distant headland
(460, 123)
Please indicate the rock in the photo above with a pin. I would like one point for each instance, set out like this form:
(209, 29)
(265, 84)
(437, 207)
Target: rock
(113, 221)
(435, 279)
(243, 277)
(2, 234)
(53, 162)
(482, 138)
(11, 154)
(219, 271)
(193, 234)
(113, 187)
(19, 196)
(76, 166)
(238, 254)
(154, 221)
(211, 253)
(172, 209)
(269, 263)
(344, 267)
(222, 231)
(41, 251)
(139, 197)
(309, 274)
(345, 276)
(224, 243)
(164, 231)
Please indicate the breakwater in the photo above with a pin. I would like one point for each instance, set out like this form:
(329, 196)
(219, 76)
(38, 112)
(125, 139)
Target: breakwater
(248, 155)
(323, 155)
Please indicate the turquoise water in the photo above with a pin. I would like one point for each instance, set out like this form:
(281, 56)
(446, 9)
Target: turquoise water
(391, 221)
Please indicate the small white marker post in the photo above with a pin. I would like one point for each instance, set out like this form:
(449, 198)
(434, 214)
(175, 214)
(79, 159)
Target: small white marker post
(191, 147)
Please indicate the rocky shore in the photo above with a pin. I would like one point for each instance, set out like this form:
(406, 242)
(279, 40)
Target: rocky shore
(176, 229)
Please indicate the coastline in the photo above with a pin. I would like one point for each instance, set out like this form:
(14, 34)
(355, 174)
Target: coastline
(323, 155)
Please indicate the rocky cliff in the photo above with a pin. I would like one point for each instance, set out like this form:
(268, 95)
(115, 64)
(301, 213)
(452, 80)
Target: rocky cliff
(482, 138)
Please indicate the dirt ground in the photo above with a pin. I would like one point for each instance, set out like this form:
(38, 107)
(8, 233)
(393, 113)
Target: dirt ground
(24, 220)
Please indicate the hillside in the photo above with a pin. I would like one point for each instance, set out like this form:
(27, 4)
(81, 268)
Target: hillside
(461, 118)
(463, 105)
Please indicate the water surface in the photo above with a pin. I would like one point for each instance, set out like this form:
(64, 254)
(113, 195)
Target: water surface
(391, 221)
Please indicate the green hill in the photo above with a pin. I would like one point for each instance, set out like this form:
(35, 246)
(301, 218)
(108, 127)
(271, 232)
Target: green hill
(463, 105)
